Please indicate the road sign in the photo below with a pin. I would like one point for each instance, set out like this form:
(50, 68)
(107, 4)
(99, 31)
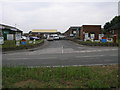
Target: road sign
(23, 42)
(1, 40)
(17, 43)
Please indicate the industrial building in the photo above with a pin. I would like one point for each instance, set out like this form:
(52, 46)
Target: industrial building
(42, 33)
(73, 31)
(9, 32)
(85, 30)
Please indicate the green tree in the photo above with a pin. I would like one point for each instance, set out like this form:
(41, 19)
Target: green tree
(113, 24)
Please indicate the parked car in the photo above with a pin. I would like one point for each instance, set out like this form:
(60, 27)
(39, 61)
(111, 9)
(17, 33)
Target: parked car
(50, 38)
(56, 37)
(36, 38)
(61, 37)
(23, 37)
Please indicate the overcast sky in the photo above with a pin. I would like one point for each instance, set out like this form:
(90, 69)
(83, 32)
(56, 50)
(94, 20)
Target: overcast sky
(59, 14)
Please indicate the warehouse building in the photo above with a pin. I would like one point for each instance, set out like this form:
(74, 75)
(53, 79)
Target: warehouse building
(73, 31)
(42, 33)
(9, 32)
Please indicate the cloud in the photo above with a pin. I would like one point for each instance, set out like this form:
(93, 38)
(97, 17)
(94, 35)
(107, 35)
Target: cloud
(57, 15)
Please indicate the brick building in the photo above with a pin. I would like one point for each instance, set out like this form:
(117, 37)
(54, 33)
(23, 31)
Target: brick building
(90, 29)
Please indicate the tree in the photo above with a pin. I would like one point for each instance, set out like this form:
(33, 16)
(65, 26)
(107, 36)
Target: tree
(113, 24)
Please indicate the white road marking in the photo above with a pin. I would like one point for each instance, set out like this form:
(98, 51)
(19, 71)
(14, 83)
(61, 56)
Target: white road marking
(76, 65)
(48, 58)
(62, 50)
(30, 58)
(90, 56)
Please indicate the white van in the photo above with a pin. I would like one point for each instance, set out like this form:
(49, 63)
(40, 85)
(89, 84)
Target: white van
(55, 37)
(50, 38)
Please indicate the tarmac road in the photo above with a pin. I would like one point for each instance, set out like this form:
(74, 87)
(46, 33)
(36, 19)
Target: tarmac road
(61, 53)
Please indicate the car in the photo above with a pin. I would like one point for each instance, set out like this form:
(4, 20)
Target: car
(55, 37)
(36, 38)
(23, 37)
(50, 38)
(61, 37)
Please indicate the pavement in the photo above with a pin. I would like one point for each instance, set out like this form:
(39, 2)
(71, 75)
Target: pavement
(61, 53)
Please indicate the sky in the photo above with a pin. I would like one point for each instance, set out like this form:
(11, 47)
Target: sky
(56, 14)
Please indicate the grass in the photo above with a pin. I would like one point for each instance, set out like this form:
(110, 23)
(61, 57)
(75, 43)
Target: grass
(61, 77)
(12, 43)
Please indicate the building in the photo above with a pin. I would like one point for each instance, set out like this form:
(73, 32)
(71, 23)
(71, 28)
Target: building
(90, 29)
(73, 31)
(43, 32)
(10, 33)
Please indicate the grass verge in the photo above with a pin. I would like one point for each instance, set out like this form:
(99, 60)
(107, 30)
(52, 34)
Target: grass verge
(11, 45)
(61, 77)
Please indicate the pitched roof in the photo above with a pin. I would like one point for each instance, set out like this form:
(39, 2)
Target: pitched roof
(2, 26)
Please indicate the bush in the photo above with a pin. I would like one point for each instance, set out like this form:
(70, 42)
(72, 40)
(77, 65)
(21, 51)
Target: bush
(89, 43)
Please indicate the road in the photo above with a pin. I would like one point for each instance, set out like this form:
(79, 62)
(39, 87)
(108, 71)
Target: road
(61, 53)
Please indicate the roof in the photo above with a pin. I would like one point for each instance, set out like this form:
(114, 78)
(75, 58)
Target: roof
(2, 26)
(44, 30)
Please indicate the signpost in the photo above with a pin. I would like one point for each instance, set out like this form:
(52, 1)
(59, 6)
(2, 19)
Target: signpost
(1, 40)
(34, 41)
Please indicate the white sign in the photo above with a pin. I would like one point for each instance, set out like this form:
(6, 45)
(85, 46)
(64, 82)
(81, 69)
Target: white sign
(1, 40)
(92, 36)
(100, 36)
(86, 35)
(30, 42)
(17, 36)
(10, 37)
(17, 43)
(109, 40)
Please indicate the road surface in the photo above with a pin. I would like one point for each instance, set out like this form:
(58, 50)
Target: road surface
(61, 53)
